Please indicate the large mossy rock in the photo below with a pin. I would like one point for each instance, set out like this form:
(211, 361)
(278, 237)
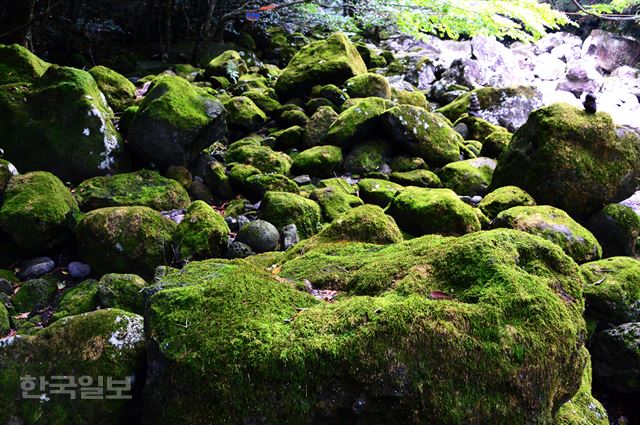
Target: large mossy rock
(555, 225)
(19, 65)
(104, 343)
(201, 234)
(573, 160)
(368, 85)
(318, 161)
(503, 198)
(490, 323)
(226, 63)
(143, 188)
(282, 208)
(378, 192)
(175, 122)
(469, 177)
(38, 211)
(422, 211)
(125, 240)
(119, 92)
(244, 115)
(423, 134)
(261, 157)
(367, 223)
(334, 202)
(330, 61)
(357, 122)
(62, 124)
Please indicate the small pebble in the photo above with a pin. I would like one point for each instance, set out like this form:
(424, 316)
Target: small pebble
(78, 270)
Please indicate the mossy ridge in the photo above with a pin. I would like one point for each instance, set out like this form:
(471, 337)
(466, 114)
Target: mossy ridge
(119, 92)
(256, 352)
(19, 65)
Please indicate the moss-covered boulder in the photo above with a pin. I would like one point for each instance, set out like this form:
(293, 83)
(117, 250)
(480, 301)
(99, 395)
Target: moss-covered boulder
(229, 64)
(19, 65)
(490, 323)
(368, 156)
(38, 211)
(495, 144)
(612, 290)
(573, 160)
(469, 177)
(289, 138)
(421, 211)
(264, 99)
(317, 127)
(367, 223)
(555, 225)
(175, 122)
(368, 85)
(477, 128)
(259, 184)
(122, 291)
(357, 122)
(119, 92)
(405, 97)
(144, 188)
(82, 298)
(244, 115)
(281, 209)
(418, 178)
(423, 134)
(616, 358)
(62, 124)
(261, 157)
(318, 161)
(504, 198)
(125, 240)
(330, 61)
(617, 228)
(334, 202)
(378, 192)
(106, 343)
(201, 234)
(33, 294)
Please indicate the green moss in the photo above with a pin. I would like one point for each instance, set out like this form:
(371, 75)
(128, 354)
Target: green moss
(478, 129)
(422, 211)
(38, 211)
(468, 177)
(229, 60)
(19, 65)
(122, 291)
(262, 157)
(404, 163)
(568, 158)
(5, 325)
(504, 198)
(144, 188)
(418, 178)
(79, 299)
(294, 117)
(367, 223)
(244, 115)
(612, 290)
(330, 92)
(239, 173)
(181, 174)
(507, 348)
(367, 157)
(289, 138)
(368, 85)
(201, 234)
(104, 343)
(356, 122)
(34, 294)
(423, 134)
(404, 97)
(264, 100)
(281, 208)
(378, 192)
(555, 225)
(495, 144)
(125, 240)
(259, 184)
(319, 161)
(330, 61)
(315, 132)
(334, 202)
(119, 91)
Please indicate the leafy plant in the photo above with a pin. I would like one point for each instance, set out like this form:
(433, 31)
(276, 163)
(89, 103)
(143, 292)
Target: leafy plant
(233, 72)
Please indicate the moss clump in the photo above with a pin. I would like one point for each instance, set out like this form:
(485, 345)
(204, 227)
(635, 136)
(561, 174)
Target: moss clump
(469, 177)
(201, 234)
(289, 138)
(38, 211)
(144, 188)
(181, 174)
(404, 97)
(617, 227)
(330, 61)
(317, 127)
(418, 178)
(505, 347)
(368, 85)
(264, 100)
(367, 157)
(367, 223)
(263, 158)
(334, 202)
(239, 173)
(243, 114)
(19, 65)
(504, 198)
(62, 124)
(423, 134)
(294, 117)
(378, 192)
(259, 184)
(357, 122)
(79, 299)
(281, 208)
(612, 290)
(495, 144)
(404, 163)
(478, 129)
(5, 325)
(119, 91)
(175, 121)
(125, 240)
(555, 225)
(34, 294)
(122, 291)
(340, 184)
(104, 343)
(222, 64)
(319, 161)
(573, 160)
(422, 211)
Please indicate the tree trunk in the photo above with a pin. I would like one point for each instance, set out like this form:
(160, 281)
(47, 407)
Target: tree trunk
(204, 31)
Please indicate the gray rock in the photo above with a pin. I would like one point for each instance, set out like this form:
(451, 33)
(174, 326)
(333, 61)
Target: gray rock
(242, 221)
(35, 267)
(78, 270)
(238, 250)
(6, 287)
(232, 222)
(611, 50)
(582, 76)
(302, 180)
(289, 236)
(260, 235)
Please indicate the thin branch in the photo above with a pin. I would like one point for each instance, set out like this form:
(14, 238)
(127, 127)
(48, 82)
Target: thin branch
(606, 17)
